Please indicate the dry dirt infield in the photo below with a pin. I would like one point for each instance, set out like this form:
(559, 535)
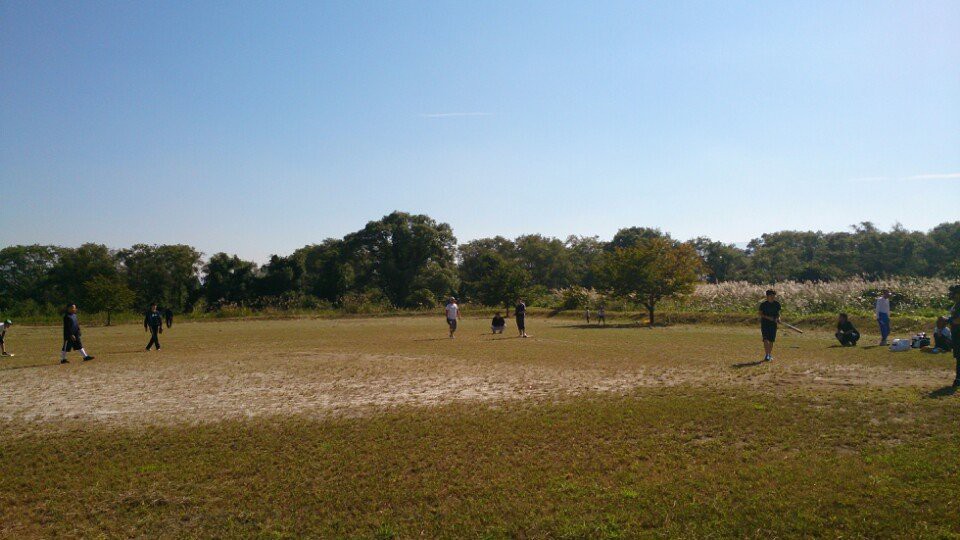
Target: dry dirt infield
(226, 370)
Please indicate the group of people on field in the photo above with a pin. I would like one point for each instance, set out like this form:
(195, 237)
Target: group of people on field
(497, 325)
(72, 334)
(847, 334)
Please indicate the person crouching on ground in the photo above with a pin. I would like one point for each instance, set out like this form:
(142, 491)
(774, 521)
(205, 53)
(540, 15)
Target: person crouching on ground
(4, 326)
(769, 318)
(497, 325)
(71, 336)
(453, 315)
(846, 332)
(942, 336)
(153, 322)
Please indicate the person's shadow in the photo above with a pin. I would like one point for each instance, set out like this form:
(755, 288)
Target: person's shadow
(946, 391)
(749, 364)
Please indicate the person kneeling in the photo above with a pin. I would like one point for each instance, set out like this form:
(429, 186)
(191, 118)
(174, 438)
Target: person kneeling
(497, 324)
(846, 333)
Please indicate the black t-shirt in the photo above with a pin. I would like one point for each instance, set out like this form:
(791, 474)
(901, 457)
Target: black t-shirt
(770, 309)
(521, 309)
(846, 326)
(498, 321)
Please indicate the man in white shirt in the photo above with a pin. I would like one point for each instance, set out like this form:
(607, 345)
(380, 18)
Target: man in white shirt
(882, 310)
(3, 332)
(453, 315)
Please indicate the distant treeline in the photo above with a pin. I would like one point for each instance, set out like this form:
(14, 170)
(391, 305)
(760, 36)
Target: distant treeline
(406, 260)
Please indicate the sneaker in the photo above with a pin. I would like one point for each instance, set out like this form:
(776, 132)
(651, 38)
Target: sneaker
(88, 358)
(6, 354)
(64, 361)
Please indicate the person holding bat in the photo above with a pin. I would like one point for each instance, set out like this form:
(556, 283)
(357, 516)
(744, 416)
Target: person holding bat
(769, 318)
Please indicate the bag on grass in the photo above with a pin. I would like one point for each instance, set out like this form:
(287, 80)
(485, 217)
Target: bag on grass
(900, 345)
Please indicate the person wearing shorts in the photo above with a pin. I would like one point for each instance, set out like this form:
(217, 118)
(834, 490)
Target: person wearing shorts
(520, 311)
(453, 315)
(71, 336)
(769, 317)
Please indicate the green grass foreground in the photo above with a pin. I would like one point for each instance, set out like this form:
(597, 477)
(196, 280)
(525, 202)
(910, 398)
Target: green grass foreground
(729, 448)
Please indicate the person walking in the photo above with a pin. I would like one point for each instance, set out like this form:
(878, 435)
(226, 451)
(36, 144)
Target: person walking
(769, 318)
(520, 311)
(153, 321)
(71, 336)
(882, 310)
(453, 315)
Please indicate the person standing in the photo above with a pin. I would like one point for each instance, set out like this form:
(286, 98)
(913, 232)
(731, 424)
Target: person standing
(153, 322)
(846, 332)
(168, 315)
(882, 310)
(453, 315)
(769, 318)
(4, 326)
(602, 315)
(587, 313)
(71, 336)
(954, 320)
(520, 311)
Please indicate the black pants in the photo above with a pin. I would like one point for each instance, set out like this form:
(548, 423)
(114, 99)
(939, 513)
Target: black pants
(941, 342)
(520, 322)
(154, 338)
(848, 338)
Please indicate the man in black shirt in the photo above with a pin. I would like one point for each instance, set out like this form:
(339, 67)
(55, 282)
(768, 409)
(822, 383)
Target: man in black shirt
(769, 317)
(168, 315)
(497, 325)
(521, 312)
(154, 322)
(71, 335)
(846, 332)
(954, 320)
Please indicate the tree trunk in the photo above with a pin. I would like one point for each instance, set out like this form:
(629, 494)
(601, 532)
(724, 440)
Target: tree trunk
(650, 308)
(108, 318)
(506, 305)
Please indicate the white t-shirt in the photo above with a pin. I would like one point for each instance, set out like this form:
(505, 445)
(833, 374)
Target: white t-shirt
(453, 311)
(883, 305)
(945, 332)
(3, 329)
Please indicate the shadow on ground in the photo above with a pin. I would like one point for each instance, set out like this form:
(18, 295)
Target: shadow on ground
(946, 391)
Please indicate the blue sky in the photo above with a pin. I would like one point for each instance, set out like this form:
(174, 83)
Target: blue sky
(257, 128)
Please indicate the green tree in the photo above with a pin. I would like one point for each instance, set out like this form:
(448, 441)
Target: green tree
(501, 282)
(109, 294)
(652, 270)
(166, 274)
(722, 262)
(75, 267)
(24, 272)
(392, 253)
(229, 279)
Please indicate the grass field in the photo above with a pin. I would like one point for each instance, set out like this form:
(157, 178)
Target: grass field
(383, 428)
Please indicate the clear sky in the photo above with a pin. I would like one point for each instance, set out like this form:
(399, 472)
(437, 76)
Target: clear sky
(259, 127)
